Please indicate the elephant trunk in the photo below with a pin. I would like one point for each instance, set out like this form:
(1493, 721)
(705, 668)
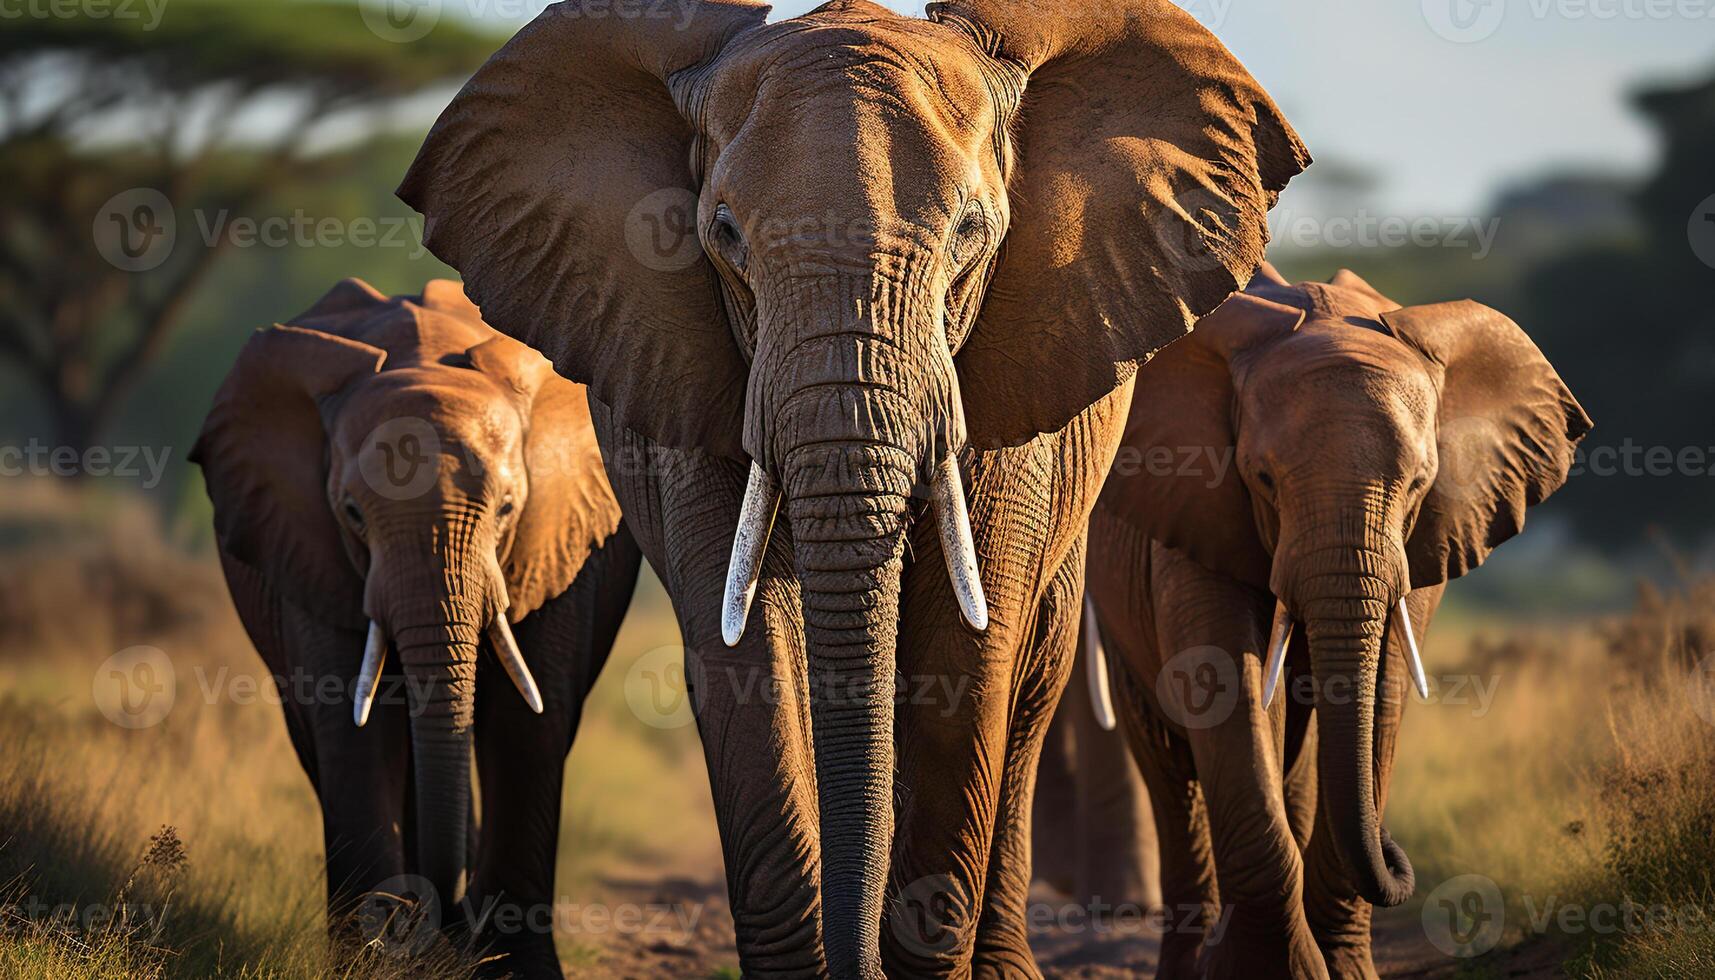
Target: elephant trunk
(849, 553)
(853, 406)
(439, 663)
(1346, 616)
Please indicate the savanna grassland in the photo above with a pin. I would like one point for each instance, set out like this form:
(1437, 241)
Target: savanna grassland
(1568, 765)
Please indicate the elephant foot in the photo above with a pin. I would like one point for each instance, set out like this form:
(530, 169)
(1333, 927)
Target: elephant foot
(1350, 962)
(1180, 952)
(1004, 964)
(533, 960)
(1273, 940)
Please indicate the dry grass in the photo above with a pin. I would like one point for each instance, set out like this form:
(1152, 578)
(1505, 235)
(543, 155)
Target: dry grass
(1586, 792)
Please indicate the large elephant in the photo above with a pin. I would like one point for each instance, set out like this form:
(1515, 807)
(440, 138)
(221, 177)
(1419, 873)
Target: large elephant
(1315, 455)
(397, 487)
(775, 253)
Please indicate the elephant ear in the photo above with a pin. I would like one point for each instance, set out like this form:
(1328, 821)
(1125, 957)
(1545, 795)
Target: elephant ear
(1508, 431)
(264, 455)
(1146, 161)
(570, 509)
(1175, 476)
(558, 183)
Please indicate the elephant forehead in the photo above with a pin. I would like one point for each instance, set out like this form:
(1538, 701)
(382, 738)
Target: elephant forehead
(440, 404)
(828, 66)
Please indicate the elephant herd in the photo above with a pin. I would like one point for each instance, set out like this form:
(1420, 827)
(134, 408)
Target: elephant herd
(897, 414)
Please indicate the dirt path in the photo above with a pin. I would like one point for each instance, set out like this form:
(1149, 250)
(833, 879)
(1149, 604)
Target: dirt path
(694, 941)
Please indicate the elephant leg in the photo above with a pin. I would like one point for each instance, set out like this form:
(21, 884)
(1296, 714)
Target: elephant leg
(1212, 687)
(751, 701)
(521, 759)
(1300, 755)
(1003, 931)
(1029, 509)
(1189, 893)
(359, 775)
(1118, 863)
(1055, 854)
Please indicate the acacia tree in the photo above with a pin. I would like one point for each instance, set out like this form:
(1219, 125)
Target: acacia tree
(107, 124)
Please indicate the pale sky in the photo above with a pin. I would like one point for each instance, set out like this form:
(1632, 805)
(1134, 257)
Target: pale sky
(1444, 124)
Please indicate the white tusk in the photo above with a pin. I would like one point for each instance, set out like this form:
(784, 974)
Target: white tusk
(1279, 635)
(1413, 658)
(369, 675)
(961, 554)
(749, 544)
(506, 648)
(1096, 670)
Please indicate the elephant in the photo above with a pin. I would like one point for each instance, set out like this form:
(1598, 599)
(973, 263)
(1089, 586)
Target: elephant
(774, 251)
(396, 487)
(1092, 830)
(1312, 455)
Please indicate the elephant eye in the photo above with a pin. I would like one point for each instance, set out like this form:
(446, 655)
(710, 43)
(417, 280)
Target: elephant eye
(728, 240)
(969, 236)
(1266, 479)
(353, 515)
(507, 507)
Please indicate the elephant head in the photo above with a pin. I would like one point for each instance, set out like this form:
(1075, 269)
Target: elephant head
(843, 247)
(1375, 450)
(395, 466)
